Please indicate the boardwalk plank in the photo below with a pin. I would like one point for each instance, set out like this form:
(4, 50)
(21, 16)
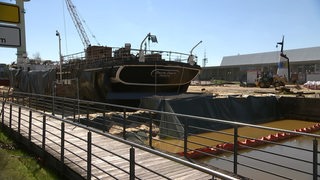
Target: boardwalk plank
(74, 155)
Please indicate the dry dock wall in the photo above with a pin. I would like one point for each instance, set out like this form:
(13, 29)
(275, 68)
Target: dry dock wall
(300, 108)
(252, 110)
(247, 110)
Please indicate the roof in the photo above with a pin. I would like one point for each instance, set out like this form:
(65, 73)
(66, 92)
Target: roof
(295, 55)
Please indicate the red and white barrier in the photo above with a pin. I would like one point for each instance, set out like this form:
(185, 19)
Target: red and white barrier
(220, 148)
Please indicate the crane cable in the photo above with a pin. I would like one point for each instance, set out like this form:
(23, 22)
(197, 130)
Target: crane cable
(78, 20)
(64, 25)
(92, 35)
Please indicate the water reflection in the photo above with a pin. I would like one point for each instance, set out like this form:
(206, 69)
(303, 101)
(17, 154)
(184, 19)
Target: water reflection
(268, 155)
(301, 142)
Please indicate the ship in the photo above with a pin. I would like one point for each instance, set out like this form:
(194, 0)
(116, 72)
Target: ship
(108, 74)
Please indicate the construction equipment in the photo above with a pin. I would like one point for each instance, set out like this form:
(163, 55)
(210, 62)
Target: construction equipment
(77, 22)
(265, 80)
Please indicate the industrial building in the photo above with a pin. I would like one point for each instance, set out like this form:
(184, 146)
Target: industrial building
(304, 65)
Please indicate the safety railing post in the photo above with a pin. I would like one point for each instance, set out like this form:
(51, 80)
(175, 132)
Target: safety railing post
(150, 130)
(89, 156)
(62, 147)
(36, 104)
(104, 117)
(2, 115)
(53, 94)
(43, 106)
(124, 123)
(315, 159)
(235, 150)
(44, 132)
(87, 111)
(132, 163)
(63, 101)
(74, 110)
(53, 109)
(10, 116)
(19, 119)
(185, 138)
(30, 125)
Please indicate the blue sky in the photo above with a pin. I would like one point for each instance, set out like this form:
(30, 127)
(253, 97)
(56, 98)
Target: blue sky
(226, 27)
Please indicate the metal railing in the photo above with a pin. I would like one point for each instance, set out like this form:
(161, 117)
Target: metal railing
(234, 149)
(29, 115)
(165, 55)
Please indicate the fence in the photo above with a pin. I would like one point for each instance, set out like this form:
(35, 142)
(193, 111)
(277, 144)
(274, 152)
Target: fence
(153, 130)
(49, 132)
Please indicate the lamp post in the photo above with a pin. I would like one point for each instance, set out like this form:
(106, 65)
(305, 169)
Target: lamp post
(60, 56)
(22, 56)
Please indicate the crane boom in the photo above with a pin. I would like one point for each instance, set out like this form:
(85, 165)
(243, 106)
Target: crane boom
(77, 22)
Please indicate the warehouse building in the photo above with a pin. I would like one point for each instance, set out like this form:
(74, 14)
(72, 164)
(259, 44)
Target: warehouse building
(304, 65)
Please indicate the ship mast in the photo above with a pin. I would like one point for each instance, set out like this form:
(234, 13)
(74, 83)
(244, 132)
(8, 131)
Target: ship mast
(205, 59)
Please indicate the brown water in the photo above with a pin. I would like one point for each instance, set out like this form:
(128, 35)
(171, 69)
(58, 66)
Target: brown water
(302, 142)
(171, 145)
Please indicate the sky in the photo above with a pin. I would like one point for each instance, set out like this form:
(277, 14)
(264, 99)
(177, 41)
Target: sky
(226, 27)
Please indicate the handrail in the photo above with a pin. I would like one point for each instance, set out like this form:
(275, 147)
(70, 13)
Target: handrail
(81, 55)
(132, 144)
(233, 123)
(123, 116)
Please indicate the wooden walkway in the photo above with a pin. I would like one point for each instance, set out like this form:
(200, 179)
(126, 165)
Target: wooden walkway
(109, 158)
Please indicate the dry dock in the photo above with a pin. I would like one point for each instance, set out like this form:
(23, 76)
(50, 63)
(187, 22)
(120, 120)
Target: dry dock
(92, 154)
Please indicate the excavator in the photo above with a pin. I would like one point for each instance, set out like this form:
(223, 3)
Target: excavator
(266, 79)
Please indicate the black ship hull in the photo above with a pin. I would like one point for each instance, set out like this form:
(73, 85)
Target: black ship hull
(108, 75)
(135, 80)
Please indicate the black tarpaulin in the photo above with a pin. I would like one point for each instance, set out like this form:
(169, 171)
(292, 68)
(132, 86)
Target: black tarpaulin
(35, 81)
(253, 110)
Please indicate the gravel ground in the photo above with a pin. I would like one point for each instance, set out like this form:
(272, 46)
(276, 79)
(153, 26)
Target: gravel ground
(236, 90)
